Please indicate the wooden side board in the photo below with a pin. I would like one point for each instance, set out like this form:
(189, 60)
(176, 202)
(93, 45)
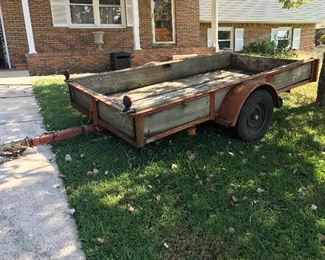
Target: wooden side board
(257, 64)
(291, 77)
(176, 116)
(120, 81)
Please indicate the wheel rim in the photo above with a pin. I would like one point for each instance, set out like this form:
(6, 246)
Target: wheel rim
(256, 117)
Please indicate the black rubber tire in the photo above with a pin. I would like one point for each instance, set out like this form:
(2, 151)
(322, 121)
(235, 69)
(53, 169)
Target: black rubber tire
(255, 116)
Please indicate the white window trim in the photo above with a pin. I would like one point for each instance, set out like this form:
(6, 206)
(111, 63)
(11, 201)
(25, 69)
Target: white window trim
(97, 23)
(290, 37)
(5, 39)
(231, 30)
(173, 24)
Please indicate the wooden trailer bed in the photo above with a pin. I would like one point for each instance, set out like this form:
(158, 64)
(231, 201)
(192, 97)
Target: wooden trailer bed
(173, 96)
(165, 92)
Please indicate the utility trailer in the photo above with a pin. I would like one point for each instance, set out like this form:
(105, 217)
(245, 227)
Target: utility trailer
(144, 104)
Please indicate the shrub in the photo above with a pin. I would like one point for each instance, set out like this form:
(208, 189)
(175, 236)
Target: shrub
(269, 49)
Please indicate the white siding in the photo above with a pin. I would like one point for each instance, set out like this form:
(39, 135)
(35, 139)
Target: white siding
(263, 11)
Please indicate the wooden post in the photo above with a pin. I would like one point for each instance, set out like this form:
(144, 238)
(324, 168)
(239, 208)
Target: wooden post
(321, 85)
(214, 22)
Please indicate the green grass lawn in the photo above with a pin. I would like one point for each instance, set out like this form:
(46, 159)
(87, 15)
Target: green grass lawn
(198, 195)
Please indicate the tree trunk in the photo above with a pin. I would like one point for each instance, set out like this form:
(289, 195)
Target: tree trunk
(321, 85)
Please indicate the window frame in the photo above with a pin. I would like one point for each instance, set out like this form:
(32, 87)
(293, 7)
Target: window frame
(227, 29)
(97, 22)
(154, 25)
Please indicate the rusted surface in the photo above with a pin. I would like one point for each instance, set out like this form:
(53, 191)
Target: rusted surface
(18, 147)
(235, 99)
(49, 138)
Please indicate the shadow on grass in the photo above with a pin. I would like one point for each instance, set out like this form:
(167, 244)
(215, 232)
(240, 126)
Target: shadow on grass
(203, 207)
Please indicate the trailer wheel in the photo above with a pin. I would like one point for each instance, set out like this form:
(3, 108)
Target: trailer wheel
(255, 116)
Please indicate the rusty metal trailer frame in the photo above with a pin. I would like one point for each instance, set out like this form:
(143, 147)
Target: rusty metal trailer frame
(227, 115)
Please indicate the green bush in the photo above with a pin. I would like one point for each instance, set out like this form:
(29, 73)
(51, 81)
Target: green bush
(269, 49)
(322, 39)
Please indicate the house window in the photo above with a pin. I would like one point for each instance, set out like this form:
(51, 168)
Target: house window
(284, 38)
(163, 20)
(89, 13)
(110, 12)
(82, 11)
(225, 38)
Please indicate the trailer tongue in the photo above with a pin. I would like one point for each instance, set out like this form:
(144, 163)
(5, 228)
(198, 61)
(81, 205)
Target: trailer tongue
(148, 103)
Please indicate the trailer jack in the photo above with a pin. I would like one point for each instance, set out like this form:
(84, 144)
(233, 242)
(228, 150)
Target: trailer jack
(16, 148)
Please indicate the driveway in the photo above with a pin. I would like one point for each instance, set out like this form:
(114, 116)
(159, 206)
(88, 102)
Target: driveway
(35, 220)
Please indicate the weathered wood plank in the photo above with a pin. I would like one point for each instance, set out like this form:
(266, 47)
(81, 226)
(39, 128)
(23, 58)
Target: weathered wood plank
(80, 98)
(124, 123)
(166, 92)
(119, 81)
(176, 116)
(291, 77)
(256, 64)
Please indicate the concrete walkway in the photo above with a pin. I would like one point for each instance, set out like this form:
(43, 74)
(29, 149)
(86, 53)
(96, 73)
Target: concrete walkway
(34, 217)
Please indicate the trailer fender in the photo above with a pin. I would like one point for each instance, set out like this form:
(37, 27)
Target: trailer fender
(236, 98)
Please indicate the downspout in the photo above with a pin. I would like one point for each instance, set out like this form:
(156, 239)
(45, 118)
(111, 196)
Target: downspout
(28, 26)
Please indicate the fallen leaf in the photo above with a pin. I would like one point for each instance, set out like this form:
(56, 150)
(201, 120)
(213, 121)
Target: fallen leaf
(130, 208)
(95, 171)
(174, 166)
(82, 155)
(106, 173)
(100, 240)
(71, 211)
(55, 186)
(259, 190)
(321, 237)
(166, 245)
(275, 162)
(263, 157)
(158, 198)
(231, 230)
(68, 158)
(150, 187)
(190, 155)
(231, 154)
(313, 207)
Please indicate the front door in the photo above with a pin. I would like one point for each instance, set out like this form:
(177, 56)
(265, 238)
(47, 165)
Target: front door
(163, 16)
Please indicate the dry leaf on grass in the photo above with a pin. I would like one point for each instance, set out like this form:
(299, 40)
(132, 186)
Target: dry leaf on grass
(313, 207)
(259, 190)
(100, 240)
(130, 208)
(321, 237)
(191, 156)
(231, 154)
(174, 166)
(166, 245)
(68, 158)
(71, 211)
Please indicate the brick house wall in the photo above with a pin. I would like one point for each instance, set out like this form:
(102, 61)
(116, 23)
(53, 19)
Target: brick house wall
(60, 48)
(259, 32)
